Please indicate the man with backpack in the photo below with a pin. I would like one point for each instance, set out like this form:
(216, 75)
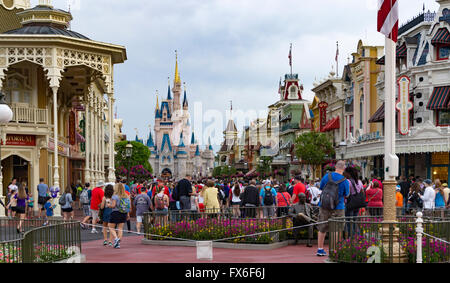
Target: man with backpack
(142, 202)
(335, 188)
(250, 200)
(268, 200)
(86, 203)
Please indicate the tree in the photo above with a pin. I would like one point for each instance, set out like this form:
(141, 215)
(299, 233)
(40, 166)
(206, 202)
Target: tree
(140, 156)
(265, 163)
(314, 148)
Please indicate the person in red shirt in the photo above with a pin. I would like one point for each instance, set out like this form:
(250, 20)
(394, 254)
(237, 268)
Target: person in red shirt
(299, 188)
(166, 189)
(96, 200)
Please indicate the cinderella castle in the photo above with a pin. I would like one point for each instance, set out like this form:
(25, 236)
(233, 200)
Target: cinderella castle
(175, 151)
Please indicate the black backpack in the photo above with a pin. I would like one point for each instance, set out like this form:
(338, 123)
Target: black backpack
(268, 197)
(330, 194)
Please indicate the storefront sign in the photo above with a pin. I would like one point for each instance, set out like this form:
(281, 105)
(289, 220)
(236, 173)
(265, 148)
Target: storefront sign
(20, 140)
(323, 114)
(404, 105)
(72, 128)
(63, 149)
(369, 137)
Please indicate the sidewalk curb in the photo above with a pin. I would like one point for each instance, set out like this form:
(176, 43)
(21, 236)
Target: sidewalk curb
(218, 245)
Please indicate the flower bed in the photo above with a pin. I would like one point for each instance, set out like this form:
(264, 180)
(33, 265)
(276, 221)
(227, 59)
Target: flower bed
(11, 253)
(216, 229)
(354, 248)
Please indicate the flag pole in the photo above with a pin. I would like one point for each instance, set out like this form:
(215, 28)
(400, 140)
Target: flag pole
(291, 59)
(337, 59)
(390, 157)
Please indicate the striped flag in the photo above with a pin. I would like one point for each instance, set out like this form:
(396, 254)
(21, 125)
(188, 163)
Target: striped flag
(290, 56)
(388, 18)
(337, 51)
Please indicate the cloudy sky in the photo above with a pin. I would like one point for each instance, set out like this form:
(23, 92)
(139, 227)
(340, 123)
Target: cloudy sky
(228, 49)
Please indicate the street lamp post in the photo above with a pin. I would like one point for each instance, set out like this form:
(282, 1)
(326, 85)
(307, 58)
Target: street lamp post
(6, 116)
(289, 157)
(128, 154)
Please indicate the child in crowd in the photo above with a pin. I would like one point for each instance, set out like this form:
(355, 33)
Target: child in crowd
(49, 207)
(30, 211)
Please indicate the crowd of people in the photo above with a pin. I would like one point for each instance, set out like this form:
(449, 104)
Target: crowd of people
(306, 200)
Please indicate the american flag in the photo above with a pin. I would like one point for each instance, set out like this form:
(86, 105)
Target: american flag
(388, 18)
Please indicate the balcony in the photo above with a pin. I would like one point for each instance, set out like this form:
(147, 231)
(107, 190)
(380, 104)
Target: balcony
(30, 115)
(289, 127)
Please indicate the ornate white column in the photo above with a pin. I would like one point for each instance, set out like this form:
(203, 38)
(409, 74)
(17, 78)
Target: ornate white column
(102, 145)
(92, 141)
(87, 152)
(97, 147)
(2, 137)
(111, 169)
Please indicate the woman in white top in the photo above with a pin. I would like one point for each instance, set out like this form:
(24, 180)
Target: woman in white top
(194, 199)
(236, 200)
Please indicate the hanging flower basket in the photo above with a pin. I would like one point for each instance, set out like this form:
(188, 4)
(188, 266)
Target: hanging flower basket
(330, 167)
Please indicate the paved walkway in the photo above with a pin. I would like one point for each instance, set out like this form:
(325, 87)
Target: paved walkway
(132, 251)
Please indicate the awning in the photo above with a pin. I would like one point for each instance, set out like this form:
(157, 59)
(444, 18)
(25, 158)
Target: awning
(79, 138)
(378, 116)
(332, 125)
(401, 53)
(442, 37)
(440, 99)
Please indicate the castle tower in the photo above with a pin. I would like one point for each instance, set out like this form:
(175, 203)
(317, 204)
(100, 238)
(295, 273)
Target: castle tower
(176, 87)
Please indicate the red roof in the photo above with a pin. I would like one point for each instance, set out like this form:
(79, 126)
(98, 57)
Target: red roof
(332, 125)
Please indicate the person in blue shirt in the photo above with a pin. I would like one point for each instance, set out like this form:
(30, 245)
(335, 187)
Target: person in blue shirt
(127, 188)
(325, 214)
(49, 207)
(270, 202)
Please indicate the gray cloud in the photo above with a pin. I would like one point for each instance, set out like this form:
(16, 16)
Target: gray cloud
(228, 49)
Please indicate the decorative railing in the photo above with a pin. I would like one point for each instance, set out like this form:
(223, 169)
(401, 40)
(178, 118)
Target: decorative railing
(369, 239)
(29, 115)
(216, 226)
(56, 241)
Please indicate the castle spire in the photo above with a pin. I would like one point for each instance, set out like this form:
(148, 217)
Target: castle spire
(177, 79)
(169, 93)
(157, 101)
(185, 102)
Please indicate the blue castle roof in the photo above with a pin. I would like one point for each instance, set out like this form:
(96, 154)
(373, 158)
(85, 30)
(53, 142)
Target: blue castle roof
(166, 141)
(150, 142)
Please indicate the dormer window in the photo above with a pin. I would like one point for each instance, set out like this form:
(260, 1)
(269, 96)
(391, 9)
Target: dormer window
(443, 52)
(441, 42)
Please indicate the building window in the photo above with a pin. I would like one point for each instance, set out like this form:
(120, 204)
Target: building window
(443, 118)
(352, 124)
(361, 111)
(443, 52)
(293, 92)
(16, 93)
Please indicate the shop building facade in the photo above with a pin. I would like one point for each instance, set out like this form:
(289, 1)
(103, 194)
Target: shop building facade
(59, 85)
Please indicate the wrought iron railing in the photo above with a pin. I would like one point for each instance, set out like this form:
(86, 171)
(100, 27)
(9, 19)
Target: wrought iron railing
(57, 240)
(369, 239)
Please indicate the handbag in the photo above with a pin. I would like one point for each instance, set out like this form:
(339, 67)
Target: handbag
(288, 204)
(357, 200)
